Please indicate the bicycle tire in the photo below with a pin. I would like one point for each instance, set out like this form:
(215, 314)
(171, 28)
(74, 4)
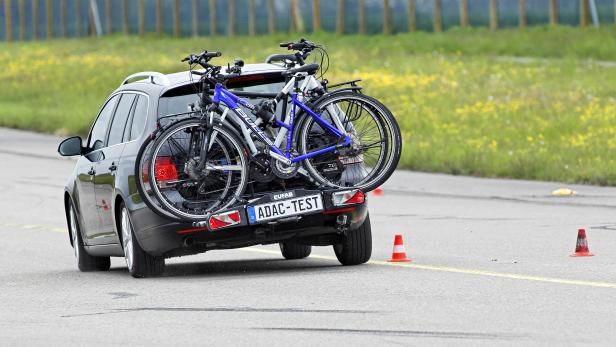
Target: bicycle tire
(382, 115)
(149, 200)
(225, 137)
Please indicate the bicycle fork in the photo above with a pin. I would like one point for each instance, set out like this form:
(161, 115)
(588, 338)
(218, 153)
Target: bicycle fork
(205, 144)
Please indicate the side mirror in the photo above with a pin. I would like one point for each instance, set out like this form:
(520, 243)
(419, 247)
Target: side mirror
(70, 147)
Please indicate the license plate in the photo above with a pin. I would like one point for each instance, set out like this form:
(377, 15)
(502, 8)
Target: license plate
(285, 208)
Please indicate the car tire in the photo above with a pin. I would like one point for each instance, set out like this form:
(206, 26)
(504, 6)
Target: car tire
(294, 250)
(85, 262)
(139, 263)
(356, 247)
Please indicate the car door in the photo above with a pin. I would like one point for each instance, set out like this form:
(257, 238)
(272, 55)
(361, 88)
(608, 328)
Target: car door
(86, 169)
(134, 129)
(106, 170)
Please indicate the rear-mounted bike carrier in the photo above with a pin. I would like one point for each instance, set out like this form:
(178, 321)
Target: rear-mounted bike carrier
(334, 202)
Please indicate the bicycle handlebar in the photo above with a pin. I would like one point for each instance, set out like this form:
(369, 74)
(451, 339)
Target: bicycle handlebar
(201, 58)
(301, 45)
(281, 58)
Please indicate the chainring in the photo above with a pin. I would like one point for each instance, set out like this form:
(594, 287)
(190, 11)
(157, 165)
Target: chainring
(282, 170)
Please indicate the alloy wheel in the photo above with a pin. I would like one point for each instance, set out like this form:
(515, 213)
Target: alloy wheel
(74, 231)
(127, 238)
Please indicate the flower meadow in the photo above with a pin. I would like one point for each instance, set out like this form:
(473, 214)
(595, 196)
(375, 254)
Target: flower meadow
(497, 111)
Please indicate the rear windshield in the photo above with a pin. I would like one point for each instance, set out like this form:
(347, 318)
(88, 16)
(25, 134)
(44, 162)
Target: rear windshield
(185, 98)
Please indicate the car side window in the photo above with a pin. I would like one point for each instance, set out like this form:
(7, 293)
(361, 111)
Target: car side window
(139, 117)
(96, 140)
(119, 120)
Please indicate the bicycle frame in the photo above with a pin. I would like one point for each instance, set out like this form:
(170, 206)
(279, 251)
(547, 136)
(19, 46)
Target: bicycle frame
(233, 102)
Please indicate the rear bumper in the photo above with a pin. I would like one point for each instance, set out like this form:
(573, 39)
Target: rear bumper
(161, 237)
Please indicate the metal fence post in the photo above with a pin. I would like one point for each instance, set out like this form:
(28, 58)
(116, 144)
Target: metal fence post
(362, 17)
(22, 19)
(437, 19)
(77, 18)
(584, 13)
(553, 12)
(176, 18)
(141, 14)
(522, 13)
(297, 22)
(159, 17)
(252, 30)
(8, 21)
(464, 18)
(195, 18)
(35, 19)
(340, 18)
(316, 15)
(49, 14)
(412, 15)
(125, 17)
(231, 18)
(271, 17)
(386, 18)
(212, 8)
(493, 15)
(63, 18)
(108, 21)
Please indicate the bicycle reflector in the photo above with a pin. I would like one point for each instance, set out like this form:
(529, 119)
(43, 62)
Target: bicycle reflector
(348, 197)
(165, 169)
(225, 219)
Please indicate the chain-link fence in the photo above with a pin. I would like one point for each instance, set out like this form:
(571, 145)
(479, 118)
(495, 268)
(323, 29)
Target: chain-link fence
(36, 19)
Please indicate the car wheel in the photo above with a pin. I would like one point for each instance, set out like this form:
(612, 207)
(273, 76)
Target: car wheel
(294, 251)
(356, 247)
(139, 263)
(85, 262)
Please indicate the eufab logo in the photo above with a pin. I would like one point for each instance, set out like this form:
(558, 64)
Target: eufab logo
(284, 195)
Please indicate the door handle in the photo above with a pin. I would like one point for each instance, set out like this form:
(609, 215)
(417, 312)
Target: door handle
(91, 172)
(113, 167)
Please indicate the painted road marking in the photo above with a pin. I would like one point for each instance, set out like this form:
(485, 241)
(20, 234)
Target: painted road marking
(440, 268)
(475, 272)
(33, 227)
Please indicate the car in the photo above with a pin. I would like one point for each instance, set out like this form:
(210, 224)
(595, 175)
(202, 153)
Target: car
(107, 216)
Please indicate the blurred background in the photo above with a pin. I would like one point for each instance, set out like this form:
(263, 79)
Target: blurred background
(32, 19)
(500, 88)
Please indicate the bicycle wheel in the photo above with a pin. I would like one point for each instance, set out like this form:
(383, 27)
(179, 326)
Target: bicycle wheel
(142, 181)
(374, 151)
(183, 186)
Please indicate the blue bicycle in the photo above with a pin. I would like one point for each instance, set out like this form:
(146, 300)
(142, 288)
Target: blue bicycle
(204, 163)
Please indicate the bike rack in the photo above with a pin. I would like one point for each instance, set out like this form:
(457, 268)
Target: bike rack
(164, 80)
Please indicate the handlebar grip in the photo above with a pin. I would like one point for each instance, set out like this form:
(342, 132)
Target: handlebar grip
(285, 44)
(212, 54)
(280, 57)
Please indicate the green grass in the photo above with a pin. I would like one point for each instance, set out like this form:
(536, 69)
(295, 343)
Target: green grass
(464, 104)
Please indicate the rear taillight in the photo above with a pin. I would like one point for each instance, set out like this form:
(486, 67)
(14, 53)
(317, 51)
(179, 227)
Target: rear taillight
(225, 219)
(165, 169)
(144, 173)
(348, 197)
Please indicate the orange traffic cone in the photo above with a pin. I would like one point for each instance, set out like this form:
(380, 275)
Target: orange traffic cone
(399, 254)
(377, 191)
(581, 247)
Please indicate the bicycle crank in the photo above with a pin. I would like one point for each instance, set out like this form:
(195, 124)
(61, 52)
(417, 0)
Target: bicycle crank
(283, 170)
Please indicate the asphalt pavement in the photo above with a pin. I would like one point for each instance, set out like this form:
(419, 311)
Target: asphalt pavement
(490, 266)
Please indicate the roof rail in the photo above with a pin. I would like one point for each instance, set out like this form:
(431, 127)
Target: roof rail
(164, 80)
